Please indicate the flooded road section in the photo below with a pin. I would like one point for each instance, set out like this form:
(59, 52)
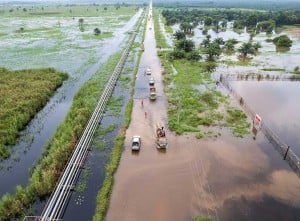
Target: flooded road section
(227, 179)
(15, 170)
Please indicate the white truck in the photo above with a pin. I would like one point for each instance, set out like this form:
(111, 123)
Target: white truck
(148, 71)
(136, 143)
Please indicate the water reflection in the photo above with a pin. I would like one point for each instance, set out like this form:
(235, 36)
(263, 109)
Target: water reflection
(277, 103)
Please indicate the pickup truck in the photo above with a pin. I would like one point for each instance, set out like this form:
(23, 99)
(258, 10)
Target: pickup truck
(161, 140)
(152, 93)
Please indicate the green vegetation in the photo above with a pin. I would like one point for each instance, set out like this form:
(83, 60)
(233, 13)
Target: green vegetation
(297, 70)
(82, 185)
(273, 69)
(202, 218)
(68, 11)
(160, 39)
(190, 108)
(60, 147)
(283, 43)
(195, 105)
(103, 196)
(237, 121)
(255, 21)
(100, 36)
(248, 48)
(98, 140)
(23, 93)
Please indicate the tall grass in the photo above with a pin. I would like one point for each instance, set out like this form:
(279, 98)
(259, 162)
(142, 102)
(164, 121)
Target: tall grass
(160, 38)
(22, 94)
(59, 149)
(194, 102)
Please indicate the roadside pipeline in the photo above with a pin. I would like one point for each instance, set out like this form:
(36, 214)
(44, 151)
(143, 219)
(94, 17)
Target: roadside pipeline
(57, 202)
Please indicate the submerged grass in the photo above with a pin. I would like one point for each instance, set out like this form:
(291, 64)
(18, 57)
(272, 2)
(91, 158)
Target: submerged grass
(67, 11)
(273, 69)
(101, 36)
(47, 171)
(22, 94)
(161, 41)
(202, 218)
(103, 197)
(194, 102)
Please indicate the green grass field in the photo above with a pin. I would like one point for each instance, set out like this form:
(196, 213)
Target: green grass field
(22, 94)
(201, 106)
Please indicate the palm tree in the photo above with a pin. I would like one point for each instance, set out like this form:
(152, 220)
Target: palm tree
(186, 45)
(246, 48)
(179, 35)
(256, 46)
(229, 46)
(97, 31)
(213, 50)
(80, 24)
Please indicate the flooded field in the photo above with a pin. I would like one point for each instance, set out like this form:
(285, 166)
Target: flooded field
(227, 178)
(54, 42)
(224, 177)
(277, 103)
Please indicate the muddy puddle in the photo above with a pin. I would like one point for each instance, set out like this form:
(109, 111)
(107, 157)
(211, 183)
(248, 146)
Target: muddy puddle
(227, 178)
(80, 61)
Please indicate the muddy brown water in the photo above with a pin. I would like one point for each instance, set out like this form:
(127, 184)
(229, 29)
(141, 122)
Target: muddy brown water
(227, 178)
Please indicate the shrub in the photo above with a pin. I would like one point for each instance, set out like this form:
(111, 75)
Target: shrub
(283, 41)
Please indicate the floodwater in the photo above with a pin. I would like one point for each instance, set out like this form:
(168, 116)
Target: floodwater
(167, 36)
(227, 178)
(82, 204)
(81, 61)
(277, 103)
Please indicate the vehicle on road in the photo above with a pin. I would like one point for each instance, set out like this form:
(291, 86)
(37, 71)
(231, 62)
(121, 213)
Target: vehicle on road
(161, 140)
(136, 143)
(148, 71)
(152, 93)
(151, 81)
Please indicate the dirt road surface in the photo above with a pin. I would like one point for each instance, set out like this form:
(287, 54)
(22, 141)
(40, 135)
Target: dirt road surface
(227, 178)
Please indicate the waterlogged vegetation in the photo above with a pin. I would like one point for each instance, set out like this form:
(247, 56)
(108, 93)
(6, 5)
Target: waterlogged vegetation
(201, 106)
(98, 140)
(104, 194)
(195, 105)
(47, 171)
(160, 39)
(202, 218)
(100, 36)
(69, 10)
(22, 94)
(53, 35)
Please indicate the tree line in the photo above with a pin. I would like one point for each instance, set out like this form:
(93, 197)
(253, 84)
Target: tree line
(253, 20)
